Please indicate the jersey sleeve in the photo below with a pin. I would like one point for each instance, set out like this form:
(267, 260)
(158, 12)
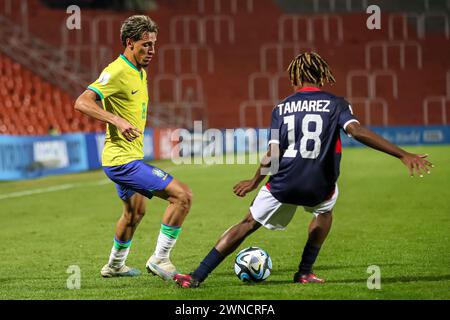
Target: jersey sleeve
(275, 125)
(106, 85)
(346, 115)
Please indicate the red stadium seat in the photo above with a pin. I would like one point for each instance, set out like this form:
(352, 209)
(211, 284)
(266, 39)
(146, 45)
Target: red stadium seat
(236, 48)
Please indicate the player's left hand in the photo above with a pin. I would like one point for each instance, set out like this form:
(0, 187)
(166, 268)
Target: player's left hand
(417, 163)
(244, 187)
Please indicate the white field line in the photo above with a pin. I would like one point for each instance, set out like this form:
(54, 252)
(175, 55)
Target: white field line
(36, 191)
(64, 187)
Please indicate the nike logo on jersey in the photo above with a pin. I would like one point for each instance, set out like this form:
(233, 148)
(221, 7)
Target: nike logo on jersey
(134, 91)
(304, 105)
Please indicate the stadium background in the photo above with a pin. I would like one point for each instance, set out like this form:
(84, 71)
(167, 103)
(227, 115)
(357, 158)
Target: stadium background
(222, 62)
(219, 61)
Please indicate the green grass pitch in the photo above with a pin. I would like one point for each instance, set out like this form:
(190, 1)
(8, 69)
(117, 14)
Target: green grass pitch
(382, 217)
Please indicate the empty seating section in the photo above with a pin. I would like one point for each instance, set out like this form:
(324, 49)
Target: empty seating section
(406, 26)
(225, 6)
(327, 28)
(224, 62)
(30, 105)
(385, 74)
(437, 108)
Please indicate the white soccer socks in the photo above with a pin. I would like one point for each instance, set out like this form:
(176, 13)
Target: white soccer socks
(166, 241)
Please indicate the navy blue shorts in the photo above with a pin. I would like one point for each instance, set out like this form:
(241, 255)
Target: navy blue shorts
(137, 176)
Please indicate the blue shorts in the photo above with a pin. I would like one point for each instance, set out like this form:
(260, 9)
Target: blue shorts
(137, 176)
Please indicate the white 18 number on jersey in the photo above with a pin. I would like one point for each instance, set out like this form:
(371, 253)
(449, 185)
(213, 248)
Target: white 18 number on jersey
(307, 135)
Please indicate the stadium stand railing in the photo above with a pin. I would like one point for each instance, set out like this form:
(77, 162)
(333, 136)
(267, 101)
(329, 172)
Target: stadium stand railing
(280, 54)
(262, 110)
(190, 30)
(369, 105)
(183, 97)
(268, 89)
(419, 26)
(179, 115)
(225, 6)
(49, 62)
(370, 100)
(178, 89)
(371, 78)
(171, 56)
(17, 12)
(432, 4)
(312, 27)
(201, 35)
(403, 21)
(386, 53)
(225, 68)
(104, 30)
(266, 86)
(336, 5)
(448, 83)
(90, 60)
(442, 101)
(77, 37)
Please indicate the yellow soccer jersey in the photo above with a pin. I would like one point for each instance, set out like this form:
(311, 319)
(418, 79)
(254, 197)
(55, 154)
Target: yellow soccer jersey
(123, 90)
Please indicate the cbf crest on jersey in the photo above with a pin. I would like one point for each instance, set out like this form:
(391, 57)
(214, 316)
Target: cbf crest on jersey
(159, 173)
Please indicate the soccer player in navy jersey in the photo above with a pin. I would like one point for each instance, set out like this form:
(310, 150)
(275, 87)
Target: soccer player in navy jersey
(305, 142)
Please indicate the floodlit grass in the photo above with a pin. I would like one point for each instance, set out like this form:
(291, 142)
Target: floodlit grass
(383, 217)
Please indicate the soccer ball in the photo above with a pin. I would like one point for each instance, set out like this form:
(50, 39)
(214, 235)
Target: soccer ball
(252, 264)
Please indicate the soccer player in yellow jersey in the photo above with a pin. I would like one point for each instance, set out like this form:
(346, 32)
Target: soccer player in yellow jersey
(122, 88)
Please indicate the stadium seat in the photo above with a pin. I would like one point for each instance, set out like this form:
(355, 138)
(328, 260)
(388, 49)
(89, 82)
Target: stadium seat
(29, 102)
(223, 46)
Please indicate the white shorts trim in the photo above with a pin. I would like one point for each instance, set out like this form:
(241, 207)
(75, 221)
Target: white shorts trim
(325, 206)
(274, 215)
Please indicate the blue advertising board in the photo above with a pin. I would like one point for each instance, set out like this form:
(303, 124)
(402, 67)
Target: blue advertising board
(24, 157)
(410, 135)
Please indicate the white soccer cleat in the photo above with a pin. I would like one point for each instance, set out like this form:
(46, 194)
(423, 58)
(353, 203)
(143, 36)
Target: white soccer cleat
(124, 271)
(161, 267)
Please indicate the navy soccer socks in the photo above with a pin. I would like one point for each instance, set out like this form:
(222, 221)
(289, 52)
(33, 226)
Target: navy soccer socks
(309, 256)
(209, 263)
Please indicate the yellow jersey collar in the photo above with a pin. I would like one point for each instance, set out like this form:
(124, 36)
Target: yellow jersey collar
(129, 63)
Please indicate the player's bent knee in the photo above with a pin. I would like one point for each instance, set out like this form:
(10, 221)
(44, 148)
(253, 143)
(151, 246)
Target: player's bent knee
(183, 200)
(137, 217)
(250, 223)
(133, 217)
(187, 195)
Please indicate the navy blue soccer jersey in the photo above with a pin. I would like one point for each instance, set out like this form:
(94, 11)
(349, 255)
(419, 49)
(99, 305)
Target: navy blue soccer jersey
(307, 127)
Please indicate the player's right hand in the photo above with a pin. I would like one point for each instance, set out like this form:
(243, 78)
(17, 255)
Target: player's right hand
(244, 187)
(127, 130)
(417, 163)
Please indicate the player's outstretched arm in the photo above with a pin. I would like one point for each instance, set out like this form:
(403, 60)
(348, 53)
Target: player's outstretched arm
(414, 162)
(246, 186)
(86, 104)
